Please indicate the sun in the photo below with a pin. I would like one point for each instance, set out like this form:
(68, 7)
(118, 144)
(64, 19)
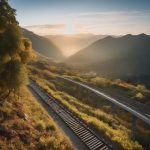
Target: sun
(69, 29)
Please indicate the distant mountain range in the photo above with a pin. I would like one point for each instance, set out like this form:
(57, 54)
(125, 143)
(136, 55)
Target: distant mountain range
(126, 56)
(70, 44)
(43, 45)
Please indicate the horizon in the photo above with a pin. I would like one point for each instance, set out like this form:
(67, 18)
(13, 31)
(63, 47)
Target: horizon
(92, 34)
(80, 17)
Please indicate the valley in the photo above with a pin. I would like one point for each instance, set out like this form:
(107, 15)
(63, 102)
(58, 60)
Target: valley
(74, 75)
(70, 44)
(80, 102)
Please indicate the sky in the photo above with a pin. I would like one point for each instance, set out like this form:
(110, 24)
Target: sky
(113, 17)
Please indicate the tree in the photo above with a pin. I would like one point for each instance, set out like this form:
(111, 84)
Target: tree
(7, 15)
(15, 51)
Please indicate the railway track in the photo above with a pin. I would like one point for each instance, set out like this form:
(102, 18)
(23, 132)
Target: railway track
(136, 109)
(82, 131)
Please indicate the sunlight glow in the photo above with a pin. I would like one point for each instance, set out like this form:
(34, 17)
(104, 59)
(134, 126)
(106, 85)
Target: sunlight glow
(69, 29)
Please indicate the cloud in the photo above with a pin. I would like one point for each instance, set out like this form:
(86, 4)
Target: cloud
(109, 22)
(114, 22)
(50, 26)
(108, 13)
(46, 29)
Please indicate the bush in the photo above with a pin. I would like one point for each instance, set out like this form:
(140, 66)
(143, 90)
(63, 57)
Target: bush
(140, 88)
(103, 82)
(40, 125)
(50, 127)
(139, 96)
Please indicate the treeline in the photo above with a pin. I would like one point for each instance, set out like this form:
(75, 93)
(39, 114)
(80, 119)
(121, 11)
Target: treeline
(15, 51)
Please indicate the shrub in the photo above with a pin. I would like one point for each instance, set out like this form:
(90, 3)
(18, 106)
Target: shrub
(40, 125)
(50, 127)
(140, 88)
(139, 96)
(103, 82)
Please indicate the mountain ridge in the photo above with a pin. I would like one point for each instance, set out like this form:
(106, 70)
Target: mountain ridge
(129, 54)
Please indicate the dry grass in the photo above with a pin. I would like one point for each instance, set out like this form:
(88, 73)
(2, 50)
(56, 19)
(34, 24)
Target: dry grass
(99, 120)
(25, 125)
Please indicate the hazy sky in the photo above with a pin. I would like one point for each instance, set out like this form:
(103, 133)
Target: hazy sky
(84, 16)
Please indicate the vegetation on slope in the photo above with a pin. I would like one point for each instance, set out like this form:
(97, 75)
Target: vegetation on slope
(14, 53)
(97, 113)
(25, 125)
(137, 92)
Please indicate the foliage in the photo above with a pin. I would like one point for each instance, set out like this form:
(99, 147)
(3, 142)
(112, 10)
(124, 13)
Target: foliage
(100, 81)
(40, 125)
(36, 131)
(98, 119)
(7, 15)
(14, 75)
(139, 96)
(105, 118)
(140, 88)
(14, 52)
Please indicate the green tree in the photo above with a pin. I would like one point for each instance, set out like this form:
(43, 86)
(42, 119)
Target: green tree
(15, 51)
(7, 15)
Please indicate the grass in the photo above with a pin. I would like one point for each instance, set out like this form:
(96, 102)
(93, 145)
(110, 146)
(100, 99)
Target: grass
(99, 120)
(131, 90)
(25, 125)
(137, 92)
(105, 118)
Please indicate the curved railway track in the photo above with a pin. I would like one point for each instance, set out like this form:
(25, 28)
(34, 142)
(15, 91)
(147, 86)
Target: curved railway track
(140, 111)
(81, 130)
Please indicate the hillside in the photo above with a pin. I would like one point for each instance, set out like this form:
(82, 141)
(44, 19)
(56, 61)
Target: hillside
(43, 45)
(25, 125)
(97, 113)
(71, 44)
(128, 55)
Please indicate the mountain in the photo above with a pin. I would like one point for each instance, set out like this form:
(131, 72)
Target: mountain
(70, 44)
(43, 45)
(126, 56)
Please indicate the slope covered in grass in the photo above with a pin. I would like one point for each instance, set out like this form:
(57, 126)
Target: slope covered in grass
(102, 119)
(25, 125)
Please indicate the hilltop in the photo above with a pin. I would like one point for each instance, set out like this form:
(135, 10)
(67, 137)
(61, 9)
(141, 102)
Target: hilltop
(128, 55)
